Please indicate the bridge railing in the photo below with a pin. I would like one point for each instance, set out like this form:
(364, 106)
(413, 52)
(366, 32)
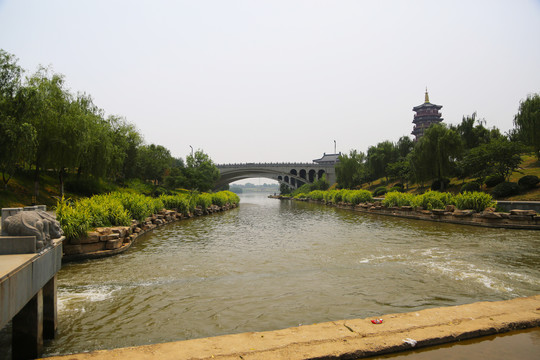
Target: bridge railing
(272, 164)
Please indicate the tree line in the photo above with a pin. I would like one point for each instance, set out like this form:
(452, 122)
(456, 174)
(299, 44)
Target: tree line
(466, 150)
(44, 126)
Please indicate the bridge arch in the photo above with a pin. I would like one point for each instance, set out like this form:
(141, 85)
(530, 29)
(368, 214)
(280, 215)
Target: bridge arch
(293, 175)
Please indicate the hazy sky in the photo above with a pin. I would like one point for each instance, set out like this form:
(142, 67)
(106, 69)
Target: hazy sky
(267, 81)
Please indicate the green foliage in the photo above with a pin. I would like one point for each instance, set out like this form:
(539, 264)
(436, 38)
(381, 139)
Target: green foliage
(356, 196)
(179, 203)
(396, 188)
(201, 173)
(527, 122)
(317, 195)
(381, 190)
(139, 206)
(528, 181)
(232, 198)
(300, 196)
(477, 201)
(505, 189)
(105, 210)
(74, 222)
(396, 198)
(470, 186)
(435, 200)
(494, 180)
(350, 170)
(499, 156)
(118, 208)
(304, 189)
(204, 200)
(435, 153)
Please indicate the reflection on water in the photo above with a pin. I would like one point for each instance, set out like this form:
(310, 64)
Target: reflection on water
(522, 345)
(274, 264)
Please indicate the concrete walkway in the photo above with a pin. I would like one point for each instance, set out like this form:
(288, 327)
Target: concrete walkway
(346, 339)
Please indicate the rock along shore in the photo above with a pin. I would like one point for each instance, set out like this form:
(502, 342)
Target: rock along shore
(515, 219)
(109, 241)
(346, 339)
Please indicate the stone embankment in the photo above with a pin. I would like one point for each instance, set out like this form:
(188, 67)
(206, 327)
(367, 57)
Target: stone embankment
(346, 339)
(514, 219)
(108, 241)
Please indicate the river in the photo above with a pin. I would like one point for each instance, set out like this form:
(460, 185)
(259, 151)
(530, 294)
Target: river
(273, 264)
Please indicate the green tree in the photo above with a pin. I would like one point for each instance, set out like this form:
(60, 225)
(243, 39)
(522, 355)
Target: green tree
(379, 156)
(200, 172)
(499, 156)
(17, 137)
(47, 110)
(436, 152)
(527, 122)
(153, 162)
(350, 168)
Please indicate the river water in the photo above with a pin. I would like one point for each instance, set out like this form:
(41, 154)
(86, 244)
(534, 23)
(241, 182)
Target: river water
(273, 264)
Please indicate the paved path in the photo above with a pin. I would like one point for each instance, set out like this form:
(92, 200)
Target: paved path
(346, 339)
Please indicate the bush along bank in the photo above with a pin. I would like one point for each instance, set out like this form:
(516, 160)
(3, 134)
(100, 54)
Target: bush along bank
(105, 225)
(469, 208)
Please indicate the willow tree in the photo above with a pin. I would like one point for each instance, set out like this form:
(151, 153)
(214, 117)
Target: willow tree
(527, 122)
(17, 137)
(436, 152)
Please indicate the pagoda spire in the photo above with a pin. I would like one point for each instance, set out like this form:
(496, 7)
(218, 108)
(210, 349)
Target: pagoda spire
(427, 96)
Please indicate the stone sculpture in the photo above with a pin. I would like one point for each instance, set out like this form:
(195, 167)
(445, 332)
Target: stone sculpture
(36, 223)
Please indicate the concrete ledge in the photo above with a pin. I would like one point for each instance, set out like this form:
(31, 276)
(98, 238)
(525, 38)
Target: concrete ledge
(347, 339)
(17, 245)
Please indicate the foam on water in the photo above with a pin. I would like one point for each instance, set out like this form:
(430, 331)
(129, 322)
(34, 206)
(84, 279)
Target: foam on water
(70, 297)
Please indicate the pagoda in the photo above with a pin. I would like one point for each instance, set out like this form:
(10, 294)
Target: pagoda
(426, 114)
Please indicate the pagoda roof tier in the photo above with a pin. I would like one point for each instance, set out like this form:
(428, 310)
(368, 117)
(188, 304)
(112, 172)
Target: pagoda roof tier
(427, 105)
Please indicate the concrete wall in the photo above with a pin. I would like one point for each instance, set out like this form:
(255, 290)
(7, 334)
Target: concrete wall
(521, 205)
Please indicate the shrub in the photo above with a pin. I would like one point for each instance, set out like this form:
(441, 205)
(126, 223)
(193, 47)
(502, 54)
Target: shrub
(74, 222)
(396, 188)
(469, 187)
(505, 189)
(139, 206)
(528, 181)
(178, 202)
(338, 196)
(300, 196)
(357, 196)
(399, 185)
(440, 184)
(316, 195)
(232, 198)
(381, 190)
(396, 198)
(494, 180)
(104, 210)
(329, 196)
(477, 201)
(204, 200)
(434, 200)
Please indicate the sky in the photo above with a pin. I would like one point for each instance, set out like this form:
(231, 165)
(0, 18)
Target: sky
(279, 81)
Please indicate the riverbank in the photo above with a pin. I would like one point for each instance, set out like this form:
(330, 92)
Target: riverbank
(347, 339)
(514, 219)
(110, 241)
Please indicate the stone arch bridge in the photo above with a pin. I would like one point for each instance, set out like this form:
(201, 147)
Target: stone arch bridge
(293, 175)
